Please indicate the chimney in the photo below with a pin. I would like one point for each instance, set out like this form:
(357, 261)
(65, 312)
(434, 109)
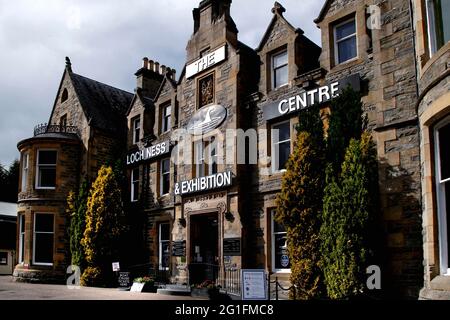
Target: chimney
(215, 10)
(148, 78)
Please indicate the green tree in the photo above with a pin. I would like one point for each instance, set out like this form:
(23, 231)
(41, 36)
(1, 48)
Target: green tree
(348, 220)
(346, 122)
(76, 211)
(299, 205)
(104, 217)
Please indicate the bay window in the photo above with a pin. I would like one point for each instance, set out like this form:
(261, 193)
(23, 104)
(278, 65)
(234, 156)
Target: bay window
(25, 163)
(43, 239)
(46, 169)
(21, 238)
(438, 23)
(442, 151)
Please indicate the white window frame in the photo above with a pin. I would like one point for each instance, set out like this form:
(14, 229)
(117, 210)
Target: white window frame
(136, 130)
(275, 156)
(431, 24)
(167, 116)
(21, 257)
(160, 243)
(161, 187)
(25, 167)
(213, 156)
(273, 69)
(336, 41)
(273, 233)
(133, 181)
(34, 239)
(200, 159)
(46, 165)
(441, 204)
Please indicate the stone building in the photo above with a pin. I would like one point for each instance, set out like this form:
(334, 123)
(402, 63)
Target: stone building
(86, 129)
(206, 205)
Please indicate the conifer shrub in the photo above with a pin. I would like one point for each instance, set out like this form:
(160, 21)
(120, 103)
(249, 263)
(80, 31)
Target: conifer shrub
(104, 225)
(348, 220)
(299, 205)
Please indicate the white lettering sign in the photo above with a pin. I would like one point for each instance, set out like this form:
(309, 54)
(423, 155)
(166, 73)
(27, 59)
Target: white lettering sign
(215, 181)
(206, 62)
(148, 153)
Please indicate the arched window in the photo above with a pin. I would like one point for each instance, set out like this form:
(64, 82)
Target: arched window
(64, 96)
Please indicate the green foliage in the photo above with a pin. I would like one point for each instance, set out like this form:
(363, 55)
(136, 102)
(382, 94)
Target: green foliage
(104, 225)
(346, 122)
(348, 216)
(76, 211)
(92, 276)
(299, 205)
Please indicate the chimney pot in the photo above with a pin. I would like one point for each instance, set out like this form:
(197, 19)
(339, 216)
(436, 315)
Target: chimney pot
(145, 63)
(164, 69)
(151, 65)
(174, 72)
(156, 67)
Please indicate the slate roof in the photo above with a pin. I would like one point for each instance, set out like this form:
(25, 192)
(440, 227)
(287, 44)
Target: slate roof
(104, 106)
(8, 209)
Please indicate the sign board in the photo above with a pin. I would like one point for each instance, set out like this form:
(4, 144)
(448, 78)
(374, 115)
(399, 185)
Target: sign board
(207, 119)
(179, 248)
(232, 247)
(137, 287)
(149, 153)
(116, 266)
(215, 181)
(124, 279)
(254, 284)
(206, 62)
(307, 99)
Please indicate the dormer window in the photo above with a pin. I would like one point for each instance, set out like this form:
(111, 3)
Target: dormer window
(345, 45)
(166, 118)
(280, 70)
(136, 122)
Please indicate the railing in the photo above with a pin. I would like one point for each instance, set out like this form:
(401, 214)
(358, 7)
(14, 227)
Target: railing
(229, 280)
(278, 288)
(54, 128)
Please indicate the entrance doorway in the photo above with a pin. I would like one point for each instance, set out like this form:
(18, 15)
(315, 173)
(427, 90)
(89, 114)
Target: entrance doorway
(204, 248)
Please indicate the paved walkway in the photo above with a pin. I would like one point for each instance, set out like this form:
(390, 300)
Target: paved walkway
(10, 290)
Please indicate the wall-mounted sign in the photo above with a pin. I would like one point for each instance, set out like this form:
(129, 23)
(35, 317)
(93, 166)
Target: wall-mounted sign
(207, 119)
(215, 181)
(116, 266)
(206, 62)
(254, 284)
(179, 248)
(149, 153)
(232, 247)
(309, 98)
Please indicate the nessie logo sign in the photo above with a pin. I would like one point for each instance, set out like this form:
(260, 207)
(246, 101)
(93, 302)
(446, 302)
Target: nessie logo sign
(207, 119)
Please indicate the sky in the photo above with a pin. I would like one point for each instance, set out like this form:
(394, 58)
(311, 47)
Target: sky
(106, 41)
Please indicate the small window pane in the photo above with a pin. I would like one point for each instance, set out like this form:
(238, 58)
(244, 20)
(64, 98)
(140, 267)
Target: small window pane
(47, 157)
(447, 204)
(22, 223)
(165, 254)
(444, 150)
(165, 231)
(44, 223)
(284, 132)
(166, 166)
(284, 153)
(281, 76)
(347, 49)
(3, 258)
(47, 177)
(278, 227)
(345, 30)
(280, 60)
(43, 248)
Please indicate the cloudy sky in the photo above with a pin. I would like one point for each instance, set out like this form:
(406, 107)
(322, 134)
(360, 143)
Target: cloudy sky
(106, 40)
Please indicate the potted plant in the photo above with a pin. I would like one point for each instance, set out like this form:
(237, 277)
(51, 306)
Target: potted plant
(204, 289)
(148, 282)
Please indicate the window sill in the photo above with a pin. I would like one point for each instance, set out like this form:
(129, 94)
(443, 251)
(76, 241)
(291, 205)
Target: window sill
(44, 188)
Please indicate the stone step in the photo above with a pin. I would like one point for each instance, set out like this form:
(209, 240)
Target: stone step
(174, 290)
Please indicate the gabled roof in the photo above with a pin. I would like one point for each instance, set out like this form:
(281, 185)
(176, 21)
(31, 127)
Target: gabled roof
(277, 16)
(103, 105)
(163, 83)
(8, 209)
(324, 10)
(146, 101)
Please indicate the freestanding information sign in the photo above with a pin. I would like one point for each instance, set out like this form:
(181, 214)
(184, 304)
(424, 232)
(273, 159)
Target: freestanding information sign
(254, 284)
